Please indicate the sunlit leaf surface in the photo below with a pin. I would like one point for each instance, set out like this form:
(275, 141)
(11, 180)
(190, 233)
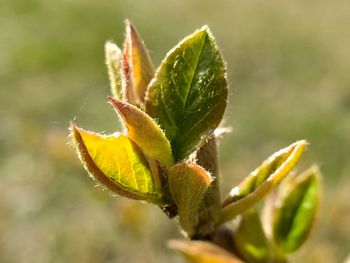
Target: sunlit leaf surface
(138, 68)
(262, 180)
(118, 163)
(114, 62)
(295, 212)
(188, 94)
(145, 132)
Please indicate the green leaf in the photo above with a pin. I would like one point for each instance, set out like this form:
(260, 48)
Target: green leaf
(250, 239)
(188, 183)
(114, 61)
(296, 210)
(138, 69)
(262, 180)
(188, 94)
(145, 133)
(117, 163)
(203, 252)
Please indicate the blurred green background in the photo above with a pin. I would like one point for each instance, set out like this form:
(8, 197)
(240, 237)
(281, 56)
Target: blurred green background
(288, 68)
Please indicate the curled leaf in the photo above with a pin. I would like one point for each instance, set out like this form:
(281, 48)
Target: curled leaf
(188, 183)
(138, 69)
(145, 132)
(262, 180)
(114, 62)
(250, 239)
(296, 210)
(118, 163)
(203, 252)
(188, 93)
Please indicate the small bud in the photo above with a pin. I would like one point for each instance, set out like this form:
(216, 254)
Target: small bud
(188, 183)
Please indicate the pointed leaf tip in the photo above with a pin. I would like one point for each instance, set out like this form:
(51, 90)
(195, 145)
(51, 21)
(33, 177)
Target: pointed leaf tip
(117, 163)
(188, 94)
(143, 130)
(138, 68)
(262, 180)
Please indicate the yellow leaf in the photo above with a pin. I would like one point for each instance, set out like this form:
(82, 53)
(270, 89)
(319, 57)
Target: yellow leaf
(118, 163)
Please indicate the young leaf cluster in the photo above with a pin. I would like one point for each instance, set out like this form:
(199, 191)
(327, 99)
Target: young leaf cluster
(167, 155)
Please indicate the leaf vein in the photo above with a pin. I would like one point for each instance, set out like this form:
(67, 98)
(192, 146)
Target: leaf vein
(165, 107)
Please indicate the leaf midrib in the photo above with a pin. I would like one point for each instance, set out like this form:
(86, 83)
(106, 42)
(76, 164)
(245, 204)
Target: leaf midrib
(177, 137)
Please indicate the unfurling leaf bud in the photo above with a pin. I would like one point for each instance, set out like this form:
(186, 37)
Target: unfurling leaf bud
(296, 209)
(262, 180)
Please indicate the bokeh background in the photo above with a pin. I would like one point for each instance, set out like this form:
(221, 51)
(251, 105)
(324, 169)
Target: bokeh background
(288, 68)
